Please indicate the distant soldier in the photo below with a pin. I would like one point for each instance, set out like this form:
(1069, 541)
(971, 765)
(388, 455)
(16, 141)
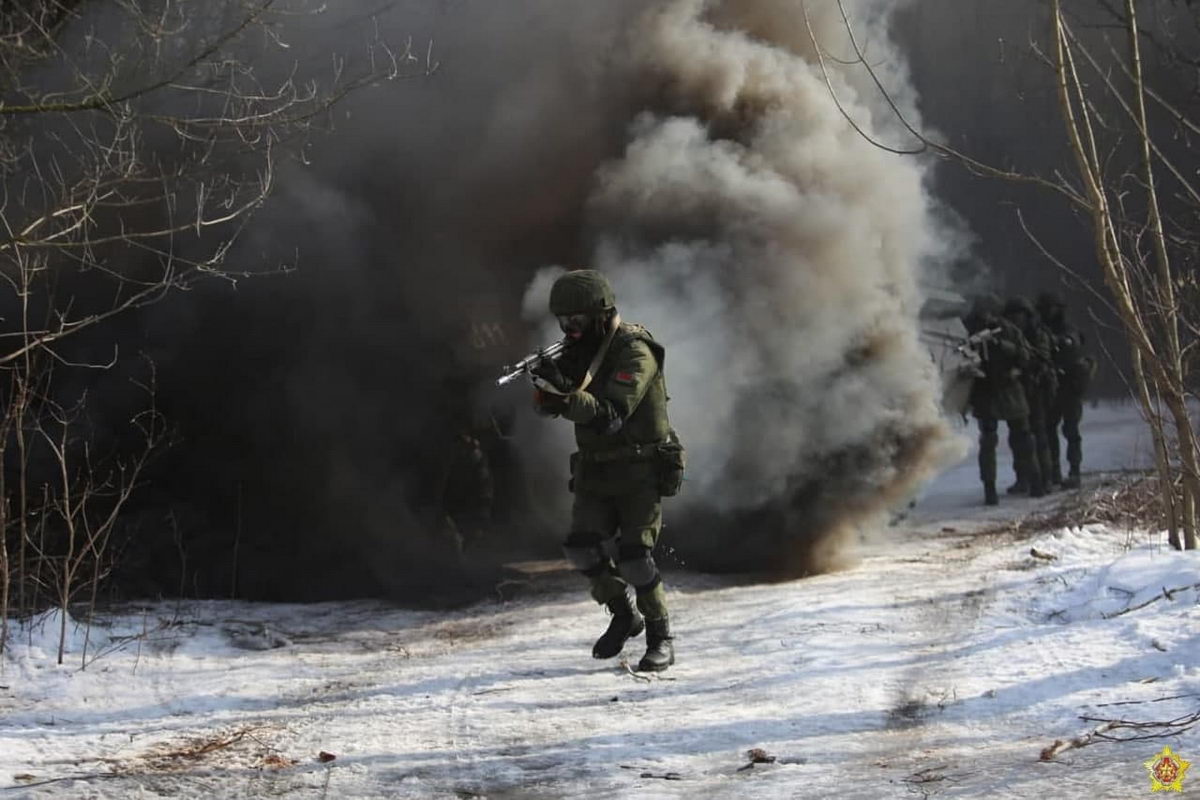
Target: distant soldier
(1039, 380)
(1075, 369)
(997, 394)
(467, 492)
(609, 382)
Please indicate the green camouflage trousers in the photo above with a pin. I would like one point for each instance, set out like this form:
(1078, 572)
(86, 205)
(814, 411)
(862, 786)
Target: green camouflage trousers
(611, 542)
(1020, 440)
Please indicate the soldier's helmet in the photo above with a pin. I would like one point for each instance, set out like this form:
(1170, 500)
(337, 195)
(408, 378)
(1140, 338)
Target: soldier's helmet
(987, 306)
(984, 312)
(1048, 302)
(1019, 305)
(583, 291)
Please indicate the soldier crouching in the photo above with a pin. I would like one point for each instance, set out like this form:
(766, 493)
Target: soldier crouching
(609, 382)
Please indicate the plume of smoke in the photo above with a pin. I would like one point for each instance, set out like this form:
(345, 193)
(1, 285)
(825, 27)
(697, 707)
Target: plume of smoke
(692, 151)
(778, 255)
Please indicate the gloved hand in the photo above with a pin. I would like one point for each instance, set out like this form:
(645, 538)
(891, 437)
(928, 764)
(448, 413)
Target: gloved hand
(548, 378)
(549, 405)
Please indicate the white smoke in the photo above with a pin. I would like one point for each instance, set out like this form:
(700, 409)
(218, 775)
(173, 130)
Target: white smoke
(778, 254)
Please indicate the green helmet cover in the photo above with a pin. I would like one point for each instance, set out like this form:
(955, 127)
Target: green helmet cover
(584, 291)
(1048, 301)
(1018, 305)
(987, 305)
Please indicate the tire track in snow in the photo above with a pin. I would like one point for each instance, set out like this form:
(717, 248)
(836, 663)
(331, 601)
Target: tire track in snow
(926, 715)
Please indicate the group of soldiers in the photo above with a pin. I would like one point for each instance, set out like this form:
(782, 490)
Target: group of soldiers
(1031, 371)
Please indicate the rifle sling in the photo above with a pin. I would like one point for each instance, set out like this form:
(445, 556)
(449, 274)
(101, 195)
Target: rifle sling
(594, 367)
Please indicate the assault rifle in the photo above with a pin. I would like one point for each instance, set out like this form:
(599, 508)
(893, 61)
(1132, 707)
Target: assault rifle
(514, 371)
(973, 346)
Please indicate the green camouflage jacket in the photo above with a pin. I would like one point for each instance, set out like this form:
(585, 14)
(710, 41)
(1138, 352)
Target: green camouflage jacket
(999, 393)
(620, 415)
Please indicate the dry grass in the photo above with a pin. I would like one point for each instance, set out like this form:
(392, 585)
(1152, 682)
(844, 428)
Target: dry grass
(1122, 500)
(243, 747)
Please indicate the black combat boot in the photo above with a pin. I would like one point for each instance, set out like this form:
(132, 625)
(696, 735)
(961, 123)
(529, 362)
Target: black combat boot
(660, 646)
(1072, 480)
(626, 623)
(1020, 487)
(990, 498)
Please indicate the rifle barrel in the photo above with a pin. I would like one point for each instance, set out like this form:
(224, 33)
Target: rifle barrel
(514, 371)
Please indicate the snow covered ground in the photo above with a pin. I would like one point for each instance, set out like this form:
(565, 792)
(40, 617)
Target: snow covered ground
(942, 664)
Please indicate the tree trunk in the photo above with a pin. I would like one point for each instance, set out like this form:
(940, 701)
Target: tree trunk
(1149, 363)
(1171, 361)
(5, 568)
(1162, 457)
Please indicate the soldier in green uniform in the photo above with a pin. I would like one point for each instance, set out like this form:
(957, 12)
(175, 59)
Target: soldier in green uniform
(1075, 370)
(997, 394)
(1040, 383)
(609, 382)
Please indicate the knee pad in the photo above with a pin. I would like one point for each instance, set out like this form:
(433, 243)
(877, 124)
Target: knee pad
(637, 567)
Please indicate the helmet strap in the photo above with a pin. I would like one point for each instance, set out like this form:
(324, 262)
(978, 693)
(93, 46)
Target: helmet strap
(613, 324)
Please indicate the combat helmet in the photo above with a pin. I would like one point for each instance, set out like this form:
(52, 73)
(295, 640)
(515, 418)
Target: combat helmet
(987, 305)
(1019, 305)
(1049, 301)
(583, 291)
(985, 311)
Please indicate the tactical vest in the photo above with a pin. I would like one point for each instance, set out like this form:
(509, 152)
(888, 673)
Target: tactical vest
(999, 394)
(649, 423)
(1040, 373)
(1075, 366)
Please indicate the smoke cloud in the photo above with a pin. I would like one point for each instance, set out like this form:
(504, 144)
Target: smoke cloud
(689, 149)
(779, 256)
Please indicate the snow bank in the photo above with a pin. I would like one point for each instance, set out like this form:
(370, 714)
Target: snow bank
(1086, 582)
(37, 639)
(947, 660)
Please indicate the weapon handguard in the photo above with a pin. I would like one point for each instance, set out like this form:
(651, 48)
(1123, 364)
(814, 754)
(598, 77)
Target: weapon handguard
(514, 371)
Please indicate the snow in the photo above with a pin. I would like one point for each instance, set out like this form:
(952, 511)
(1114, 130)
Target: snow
(941, 664)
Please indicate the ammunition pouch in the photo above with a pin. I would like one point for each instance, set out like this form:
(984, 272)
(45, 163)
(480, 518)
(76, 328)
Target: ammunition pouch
(670, 461)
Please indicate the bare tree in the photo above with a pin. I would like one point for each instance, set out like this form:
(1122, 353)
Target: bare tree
(1123, 165)
(137, 139)
(84, 501)
(1133, 178)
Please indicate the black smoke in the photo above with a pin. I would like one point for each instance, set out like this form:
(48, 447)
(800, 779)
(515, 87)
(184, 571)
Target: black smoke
(317, 412)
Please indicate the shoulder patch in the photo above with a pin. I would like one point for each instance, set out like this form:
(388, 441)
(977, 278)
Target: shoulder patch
(624, 377)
